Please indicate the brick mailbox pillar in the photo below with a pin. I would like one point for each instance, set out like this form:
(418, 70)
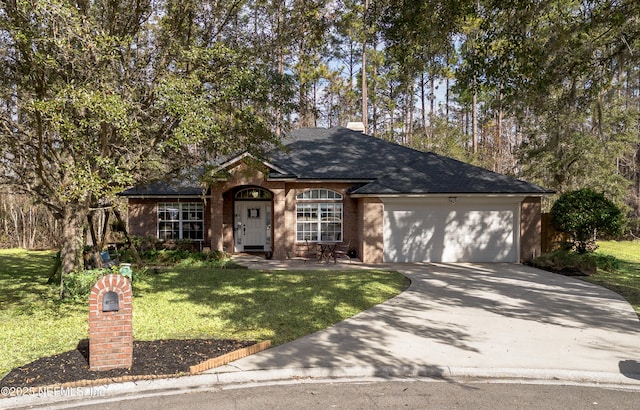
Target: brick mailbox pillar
(110, 328)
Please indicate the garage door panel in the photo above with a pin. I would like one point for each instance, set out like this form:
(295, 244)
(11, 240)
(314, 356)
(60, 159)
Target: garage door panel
(415, 244)
(446, 233)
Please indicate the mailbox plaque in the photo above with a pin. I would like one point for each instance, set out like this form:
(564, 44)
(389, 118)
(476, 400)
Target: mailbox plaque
(110, 302)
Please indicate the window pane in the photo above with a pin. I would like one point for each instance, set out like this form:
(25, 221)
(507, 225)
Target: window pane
(307, 231)
(192, 212)
(319, 221)
(180, 221)
(307, 213)
(193, 230)
(169, 230)
(323, 194)
(169, 212)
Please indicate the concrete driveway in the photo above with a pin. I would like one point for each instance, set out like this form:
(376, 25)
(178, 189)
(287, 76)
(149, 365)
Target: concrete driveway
(502, 320)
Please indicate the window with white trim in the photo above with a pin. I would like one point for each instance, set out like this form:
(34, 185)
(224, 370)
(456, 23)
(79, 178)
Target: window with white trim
(319, 216)
(181, 220)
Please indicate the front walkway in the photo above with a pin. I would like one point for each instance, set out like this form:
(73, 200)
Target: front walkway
(471, 319)
(258, 262)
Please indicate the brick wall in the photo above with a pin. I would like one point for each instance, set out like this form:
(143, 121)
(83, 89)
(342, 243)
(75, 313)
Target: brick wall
(110, 333)
(530, 228)
(283, 210)
(371, 228)
(143, 216)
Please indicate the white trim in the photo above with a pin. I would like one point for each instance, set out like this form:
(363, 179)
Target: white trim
(323, 181)
(334, 192)
(318, 203)
(235, 160)
(495, 198)
(180, 220)
(161, 197)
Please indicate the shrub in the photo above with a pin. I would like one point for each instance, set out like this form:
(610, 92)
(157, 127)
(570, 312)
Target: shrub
(582, 214)
(564, 261)
(78, 285)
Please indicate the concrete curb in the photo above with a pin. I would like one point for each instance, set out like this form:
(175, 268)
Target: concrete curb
(427, 372)
(70, 397)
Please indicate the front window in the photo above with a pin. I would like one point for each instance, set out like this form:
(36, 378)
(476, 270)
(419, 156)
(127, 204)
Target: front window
(319, 216)
(181, 220)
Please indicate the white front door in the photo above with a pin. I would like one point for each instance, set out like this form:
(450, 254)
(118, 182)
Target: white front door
(252, 225)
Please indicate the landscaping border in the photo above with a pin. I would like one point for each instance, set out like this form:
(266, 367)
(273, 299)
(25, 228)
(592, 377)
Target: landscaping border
(199, 368)
(230, 357)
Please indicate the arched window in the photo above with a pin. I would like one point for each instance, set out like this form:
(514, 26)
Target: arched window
(319, 216)
(321, 194)
(253, 193)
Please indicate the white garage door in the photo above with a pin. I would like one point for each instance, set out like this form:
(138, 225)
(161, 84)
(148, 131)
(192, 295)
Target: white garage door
(441, 230)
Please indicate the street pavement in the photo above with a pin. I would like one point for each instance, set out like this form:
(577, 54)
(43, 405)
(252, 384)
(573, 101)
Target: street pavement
(495, 321)
(387, 394)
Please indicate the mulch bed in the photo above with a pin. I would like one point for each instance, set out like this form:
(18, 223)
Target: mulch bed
(150, 358)
(563, 271)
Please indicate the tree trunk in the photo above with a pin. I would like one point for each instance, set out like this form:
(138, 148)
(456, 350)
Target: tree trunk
(365, 113)
(446, 103)
(132, 247)
(500, 165)
(432, 101)
(73, 218)
(374, 103)
(423, 104)
(374, 99)
(474, 122)
(365, 98)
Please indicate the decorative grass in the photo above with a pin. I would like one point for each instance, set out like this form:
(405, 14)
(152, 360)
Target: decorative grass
(199, 301)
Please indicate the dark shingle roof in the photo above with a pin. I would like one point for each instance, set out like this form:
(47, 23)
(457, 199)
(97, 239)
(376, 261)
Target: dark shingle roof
(172, 188)
(387, 168)
(378, 167)
(338, 153)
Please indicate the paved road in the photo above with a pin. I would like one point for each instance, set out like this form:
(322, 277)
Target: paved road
(447, 394)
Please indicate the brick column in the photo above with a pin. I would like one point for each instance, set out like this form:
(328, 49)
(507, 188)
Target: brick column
(110, 328)
(217, 226)
(530, 228)
(281, 231)
(372, 235)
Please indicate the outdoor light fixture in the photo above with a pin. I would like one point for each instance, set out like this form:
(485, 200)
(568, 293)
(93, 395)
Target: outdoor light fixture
(453, 199)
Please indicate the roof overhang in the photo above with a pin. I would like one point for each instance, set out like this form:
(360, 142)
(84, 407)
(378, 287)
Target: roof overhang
(511, 196)
(158, 196)
(320, 181)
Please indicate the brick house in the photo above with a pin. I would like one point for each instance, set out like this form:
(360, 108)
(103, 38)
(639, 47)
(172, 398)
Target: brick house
(389, 202)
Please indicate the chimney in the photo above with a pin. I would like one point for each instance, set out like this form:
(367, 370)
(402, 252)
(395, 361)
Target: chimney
(356, 126)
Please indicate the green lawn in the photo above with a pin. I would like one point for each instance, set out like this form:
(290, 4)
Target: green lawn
(624, 280)
(183, 302)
